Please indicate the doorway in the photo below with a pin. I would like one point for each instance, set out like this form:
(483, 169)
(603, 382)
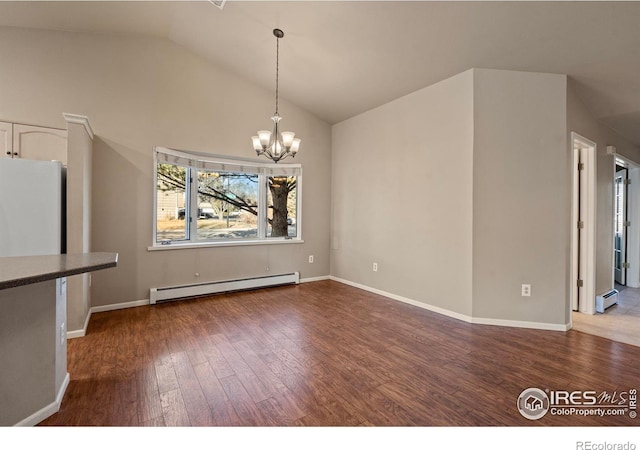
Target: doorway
(582, 283)
(620, 223)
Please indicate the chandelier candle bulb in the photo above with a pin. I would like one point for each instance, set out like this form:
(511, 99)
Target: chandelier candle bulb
(295, 145)
(287, 139)
(265, 137)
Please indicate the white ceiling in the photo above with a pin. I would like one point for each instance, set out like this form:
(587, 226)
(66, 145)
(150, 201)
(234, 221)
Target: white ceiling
(340, 58)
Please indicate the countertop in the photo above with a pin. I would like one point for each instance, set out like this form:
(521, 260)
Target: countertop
(22, 270)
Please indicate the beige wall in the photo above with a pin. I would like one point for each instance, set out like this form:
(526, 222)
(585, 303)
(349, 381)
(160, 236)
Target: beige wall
(402, 196)
(521, 209)
(141, 92)
(460, 194)
(419, 184)
(579, 120)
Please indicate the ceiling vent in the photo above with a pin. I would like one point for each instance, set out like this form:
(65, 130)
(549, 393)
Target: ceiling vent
(218, 3)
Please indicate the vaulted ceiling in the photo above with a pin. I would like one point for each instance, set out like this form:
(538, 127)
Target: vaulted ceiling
(340, 58)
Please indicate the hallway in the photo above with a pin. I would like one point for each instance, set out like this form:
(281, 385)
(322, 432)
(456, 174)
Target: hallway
(620, 323)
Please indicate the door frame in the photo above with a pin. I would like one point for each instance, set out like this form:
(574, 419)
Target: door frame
(625, 219)
(633, 216)
(581, 146)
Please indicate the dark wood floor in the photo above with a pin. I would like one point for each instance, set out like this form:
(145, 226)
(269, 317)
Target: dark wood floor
(322, 354)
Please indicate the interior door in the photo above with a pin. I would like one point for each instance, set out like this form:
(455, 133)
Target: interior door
(620, 226)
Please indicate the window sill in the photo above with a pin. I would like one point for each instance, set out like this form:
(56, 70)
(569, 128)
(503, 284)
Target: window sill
(237, 243)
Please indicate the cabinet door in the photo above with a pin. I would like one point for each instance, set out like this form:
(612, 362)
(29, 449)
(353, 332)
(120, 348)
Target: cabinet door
(41, 143)
(6, 140)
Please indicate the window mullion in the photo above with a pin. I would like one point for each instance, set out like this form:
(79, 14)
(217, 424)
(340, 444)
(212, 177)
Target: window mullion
(299, 207)
(155, 198)
(192, 182)
(262, 206)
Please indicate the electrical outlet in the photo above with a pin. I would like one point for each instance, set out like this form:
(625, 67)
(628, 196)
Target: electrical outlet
(63, 333)
(526, 290)
(310, 259)
(375, 267)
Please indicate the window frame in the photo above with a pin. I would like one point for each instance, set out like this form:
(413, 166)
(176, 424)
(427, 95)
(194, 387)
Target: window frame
(196, 161)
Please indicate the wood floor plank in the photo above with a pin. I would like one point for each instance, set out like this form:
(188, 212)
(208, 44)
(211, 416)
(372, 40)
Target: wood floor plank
(174, 410)
(192, 394)
(251, 382)
(324, 354)
(242, 402)
(149, 404)
(275, 414)
(167, 380)
(215, 357)
(221, 408)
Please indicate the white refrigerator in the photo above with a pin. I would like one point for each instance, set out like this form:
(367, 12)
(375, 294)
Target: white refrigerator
(32, 207)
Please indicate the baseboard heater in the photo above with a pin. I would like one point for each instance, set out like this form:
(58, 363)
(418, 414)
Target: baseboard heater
(162, 294)
(606, 300)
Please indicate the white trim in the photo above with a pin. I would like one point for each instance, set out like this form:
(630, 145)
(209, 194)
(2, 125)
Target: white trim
(82, 120)
(79, 333)
(62, 390)
(299, 206)
(522, 324)
(312, 279)
(262, 217)
(83, 332)
(116, 306)
(459, 316)
(633, 215)
(205, 244)
(47, 411)
(625, 218)
(588, 306)
(436, 309)
(198, 160)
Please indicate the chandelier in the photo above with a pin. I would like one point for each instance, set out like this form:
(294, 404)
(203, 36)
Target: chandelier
(274, 144)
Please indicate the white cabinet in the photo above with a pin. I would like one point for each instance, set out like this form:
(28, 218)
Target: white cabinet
(6, 140)
(33, 142)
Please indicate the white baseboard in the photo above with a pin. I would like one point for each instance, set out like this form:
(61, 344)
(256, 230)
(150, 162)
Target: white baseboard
(47, 411)
(522, 324)
(456, 315)
(79, 333)
(427, 306)
(115, 306)
(312, 279)
(399, 298)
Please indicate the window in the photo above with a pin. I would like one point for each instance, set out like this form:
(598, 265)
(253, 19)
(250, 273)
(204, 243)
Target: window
(205, 199)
